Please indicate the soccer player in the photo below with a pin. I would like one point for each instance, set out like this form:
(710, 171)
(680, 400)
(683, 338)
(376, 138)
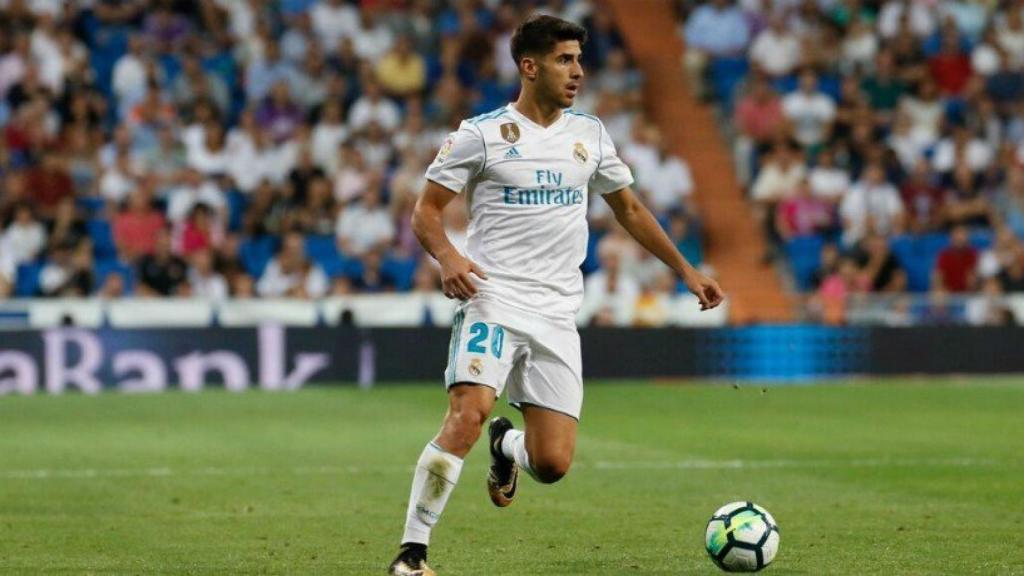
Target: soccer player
(526, 170)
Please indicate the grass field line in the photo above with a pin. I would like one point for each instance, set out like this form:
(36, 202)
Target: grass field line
(599, 465)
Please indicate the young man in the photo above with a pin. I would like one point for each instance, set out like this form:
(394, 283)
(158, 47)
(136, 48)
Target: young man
(526, 170)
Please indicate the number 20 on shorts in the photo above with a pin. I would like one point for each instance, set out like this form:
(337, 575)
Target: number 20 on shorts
(478, 343)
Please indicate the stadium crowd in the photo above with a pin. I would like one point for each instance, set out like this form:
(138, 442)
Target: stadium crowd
(882, 143)
(218, 148)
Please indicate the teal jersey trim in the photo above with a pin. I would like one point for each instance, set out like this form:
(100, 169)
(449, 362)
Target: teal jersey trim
(453, 349)
(497, 113)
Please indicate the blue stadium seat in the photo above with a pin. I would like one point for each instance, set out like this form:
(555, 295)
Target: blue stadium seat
(323, 250)
(91, 205)
(401, 270)
(726, 75)
(917, 255)
(26, 280)
(102, 235)
(107, 266)
(804, 254)
(237, 204)
(255, 253)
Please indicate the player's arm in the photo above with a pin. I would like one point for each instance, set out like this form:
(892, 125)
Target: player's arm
(429, 228)
(641, 225)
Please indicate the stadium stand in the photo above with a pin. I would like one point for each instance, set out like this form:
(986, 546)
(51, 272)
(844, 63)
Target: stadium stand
(172, 147)
(881, 145)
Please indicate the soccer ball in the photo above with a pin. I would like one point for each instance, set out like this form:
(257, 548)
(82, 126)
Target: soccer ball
(742, 537)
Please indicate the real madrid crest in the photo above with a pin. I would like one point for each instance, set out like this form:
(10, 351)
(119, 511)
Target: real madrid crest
(510, 132)
(446, 149)
(476, 367)
(579, 153)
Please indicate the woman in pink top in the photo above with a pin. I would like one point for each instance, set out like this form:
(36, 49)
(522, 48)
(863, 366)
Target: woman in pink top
(136, 226)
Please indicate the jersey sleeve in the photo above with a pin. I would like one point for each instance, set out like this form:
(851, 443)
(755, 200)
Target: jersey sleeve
(612, 174)
(460, 158)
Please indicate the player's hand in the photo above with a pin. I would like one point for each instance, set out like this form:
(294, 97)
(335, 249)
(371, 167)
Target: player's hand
(455, 280)
(705, 289)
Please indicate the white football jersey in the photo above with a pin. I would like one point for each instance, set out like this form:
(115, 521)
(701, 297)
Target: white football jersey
(527, 189)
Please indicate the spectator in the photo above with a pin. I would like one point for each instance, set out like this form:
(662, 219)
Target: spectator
(1011, 279)
(872, 205)
(290, 275)
(611, 286)
(669, 185)
(129, 82)
(810, 110)
(965, 201)
(365, 225)
(200, 231)
(951, 67)
(25, 237)
(803, 214)
(879, 268)
(776, 50)
(782, 173)
(717, 29)
(924, 200)
(955, 270)
(48, 184)
(402, 72)
(828, 181)
(68, 272)
(334, 20)
(162, 273)
(760, 119)
(67, 226)
(194, 189)
(137, 226)
(373, 106)
(204, 282)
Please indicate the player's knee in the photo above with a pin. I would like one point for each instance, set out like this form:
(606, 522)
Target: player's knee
(462, 427)
(550, 468)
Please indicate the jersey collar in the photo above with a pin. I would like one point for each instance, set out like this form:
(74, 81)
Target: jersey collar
(530, 123)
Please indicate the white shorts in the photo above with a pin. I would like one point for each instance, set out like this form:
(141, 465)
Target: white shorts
(537, 358)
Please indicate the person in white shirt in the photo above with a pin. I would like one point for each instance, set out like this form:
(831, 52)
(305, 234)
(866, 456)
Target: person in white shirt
(365, 225)
(327, 135)
(610, 287)
(963, 146)
(810, 110)
(129, 79)
(289, 274)
(25, 237)
(776, 50)
(527, 170)
(193, 190)
(334, 20)
(373, 106)
(873, 205)
(828, 181)
(372, 39)
(670, 184)
(922, 16)
(203, 280)
(119, 180)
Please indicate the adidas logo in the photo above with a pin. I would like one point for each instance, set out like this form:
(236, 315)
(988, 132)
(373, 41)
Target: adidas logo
(512, 153)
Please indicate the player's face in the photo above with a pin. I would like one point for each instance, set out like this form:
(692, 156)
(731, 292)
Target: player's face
(560, 73)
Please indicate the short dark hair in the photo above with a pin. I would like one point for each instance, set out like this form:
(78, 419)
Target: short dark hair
(539, 33)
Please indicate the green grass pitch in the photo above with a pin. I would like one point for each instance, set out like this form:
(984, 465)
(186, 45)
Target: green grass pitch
(888, 477)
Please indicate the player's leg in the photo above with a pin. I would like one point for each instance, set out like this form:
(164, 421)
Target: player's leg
(479, 359)
(547, 385)
(547, 445)
(437, 473)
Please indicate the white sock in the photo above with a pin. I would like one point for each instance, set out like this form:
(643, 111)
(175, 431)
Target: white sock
(513, 446)
(437, 472)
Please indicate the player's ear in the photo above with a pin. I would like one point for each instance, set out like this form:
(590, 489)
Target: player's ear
(528, 67)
